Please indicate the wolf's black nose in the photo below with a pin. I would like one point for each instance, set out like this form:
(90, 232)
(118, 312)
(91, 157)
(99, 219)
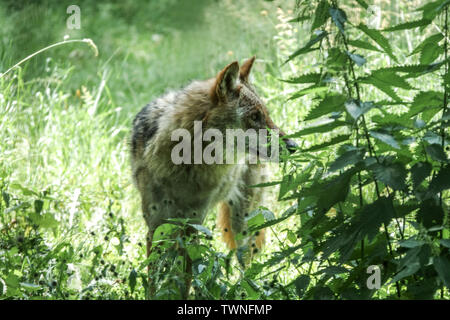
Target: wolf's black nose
(290, 145)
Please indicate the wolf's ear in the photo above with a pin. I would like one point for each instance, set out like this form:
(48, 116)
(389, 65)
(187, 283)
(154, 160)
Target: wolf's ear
(225, 84)
(244, 72)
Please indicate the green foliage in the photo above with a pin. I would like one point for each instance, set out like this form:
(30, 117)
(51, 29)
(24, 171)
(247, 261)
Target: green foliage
(378, 37)
(316, 37)
(381, 198)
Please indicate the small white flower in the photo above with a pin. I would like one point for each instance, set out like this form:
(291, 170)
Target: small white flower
(156, 37)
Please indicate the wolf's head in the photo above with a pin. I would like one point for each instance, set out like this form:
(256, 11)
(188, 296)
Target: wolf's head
(232, 93)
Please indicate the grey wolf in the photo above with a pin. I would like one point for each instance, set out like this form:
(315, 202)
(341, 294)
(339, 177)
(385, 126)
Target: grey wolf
(167, 190)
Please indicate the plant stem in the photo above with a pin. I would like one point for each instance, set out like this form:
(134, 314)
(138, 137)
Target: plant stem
(371, 151)
(88, 41)
(444, 109)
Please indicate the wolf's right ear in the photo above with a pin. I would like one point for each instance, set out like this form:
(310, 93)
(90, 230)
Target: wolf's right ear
(225, 85)
(245, 69)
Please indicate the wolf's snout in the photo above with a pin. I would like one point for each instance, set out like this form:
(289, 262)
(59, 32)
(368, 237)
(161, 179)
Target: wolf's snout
(290, 145)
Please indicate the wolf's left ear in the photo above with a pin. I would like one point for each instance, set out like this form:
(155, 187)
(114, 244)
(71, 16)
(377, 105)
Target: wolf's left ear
(244, 72)
(226, 82)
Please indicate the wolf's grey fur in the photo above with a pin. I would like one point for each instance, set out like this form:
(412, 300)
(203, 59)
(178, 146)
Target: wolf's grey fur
(176, 191)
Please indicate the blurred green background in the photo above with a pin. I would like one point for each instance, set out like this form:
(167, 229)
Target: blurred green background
(146, 46)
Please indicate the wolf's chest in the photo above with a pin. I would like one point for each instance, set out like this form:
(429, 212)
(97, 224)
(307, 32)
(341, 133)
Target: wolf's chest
(208, 185)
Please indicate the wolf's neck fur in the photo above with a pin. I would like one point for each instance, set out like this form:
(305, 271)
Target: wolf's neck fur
(179, 109)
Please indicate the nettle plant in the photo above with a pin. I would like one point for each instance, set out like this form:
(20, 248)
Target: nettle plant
(374, 192)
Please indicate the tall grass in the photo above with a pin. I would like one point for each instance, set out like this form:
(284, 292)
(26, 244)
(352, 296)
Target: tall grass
(65, 120)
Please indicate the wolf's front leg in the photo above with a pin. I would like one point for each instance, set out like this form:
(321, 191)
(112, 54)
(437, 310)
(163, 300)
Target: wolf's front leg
(233, 213)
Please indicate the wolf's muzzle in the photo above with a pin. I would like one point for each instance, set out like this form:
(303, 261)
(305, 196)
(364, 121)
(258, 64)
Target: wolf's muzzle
(290, 145)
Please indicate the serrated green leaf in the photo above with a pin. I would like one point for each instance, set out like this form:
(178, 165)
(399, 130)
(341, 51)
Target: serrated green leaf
(202, 229)
(356, 109)
(409, 25)
(132, 280)
(372, 216)
(336, 60)
(445, 242)
(390, 122)
(434, 39)
(436, 152)
(319, 35)
(339, 18)
(331, 103)
(425, 100)
(255, 219)
(321, 15)
(412, 68)
(305, 78)
(291, 237)
(196, 251)
(405, 209)
(164, 231)
(383, 79)
(441, 181)
(327, 127)
(378, 37)
(332, 270)
(419, 123)
(334, 191)
(288, 213)
(363, 45)
(311, 89)
(419, 172)
(391, 174)
(411, 243)
(348, 158)
(46, 220)
(432, 9)
(265, 184)
(333, 141)
(409, 270)
(430, 214)
(258, 218)
(300, 19)
(358, 59)
(391, 78)
(301, 284)
(432, 137)
(383, 85)
(288, 183)
(385, 137)
(430, 53)
(414, 71)
(442, 266)
(279, 256)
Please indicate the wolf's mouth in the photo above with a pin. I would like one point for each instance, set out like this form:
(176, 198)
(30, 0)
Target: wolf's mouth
(290, 145)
